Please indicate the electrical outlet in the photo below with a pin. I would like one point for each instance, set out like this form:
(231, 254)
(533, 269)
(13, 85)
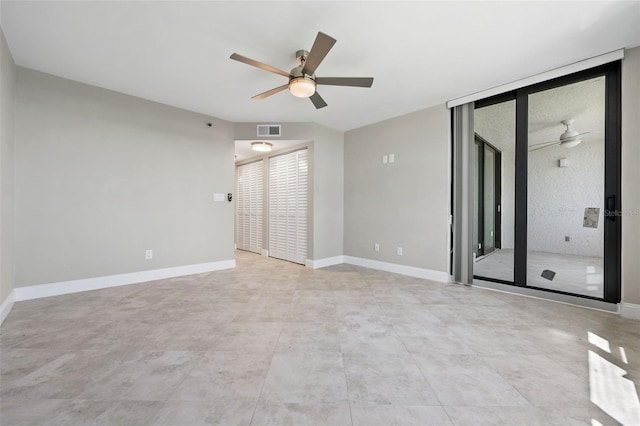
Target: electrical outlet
(148, 254)
(376, 247)
(567, 238)
(399, 251)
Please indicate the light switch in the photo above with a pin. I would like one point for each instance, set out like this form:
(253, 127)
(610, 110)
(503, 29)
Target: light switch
(385, 159)
(218, 196)
(392, 158)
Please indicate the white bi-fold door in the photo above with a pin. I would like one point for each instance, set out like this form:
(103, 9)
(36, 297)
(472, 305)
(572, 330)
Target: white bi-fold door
(288, 206)
(249, 206)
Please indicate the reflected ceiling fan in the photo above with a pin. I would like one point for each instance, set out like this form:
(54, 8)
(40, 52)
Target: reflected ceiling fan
(568, 139)
(302, 79)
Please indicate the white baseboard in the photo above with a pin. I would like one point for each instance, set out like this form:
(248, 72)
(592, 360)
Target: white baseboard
(75, 286)
(6, 306)
(411, 271)
(323, 263)
(630, 310)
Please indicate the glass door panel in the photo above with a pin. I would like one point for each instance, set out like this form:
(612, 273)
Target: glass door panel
(494, 191)
(565, 188)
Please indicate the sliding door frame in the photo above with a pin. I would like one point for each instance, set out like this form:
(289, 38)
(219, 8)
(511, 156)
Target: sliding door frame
(613, 164)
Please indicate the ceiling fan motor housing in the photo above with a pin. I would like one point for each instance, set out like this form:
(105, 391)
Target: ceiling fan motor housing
(569, 138)
(301, 85)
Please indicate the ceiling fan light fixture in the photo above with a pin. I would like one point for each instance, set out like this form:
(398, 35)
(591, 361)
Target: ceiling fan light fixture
(261, 146)
(302, 87)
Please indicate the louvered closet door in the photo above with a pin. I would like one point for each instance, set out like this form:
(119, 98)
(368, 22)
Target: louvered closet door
(288, 206)
(249, 209)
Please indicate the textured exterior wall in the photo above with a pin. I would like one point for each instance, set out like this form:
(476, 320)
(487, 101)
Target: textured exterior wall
(558, 197)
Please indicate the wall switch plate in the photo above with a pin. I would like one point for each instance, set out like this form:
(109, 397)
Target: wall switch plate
(392, 158)
(376, 247)
(148, 254)
(385, 159)
(399, 251)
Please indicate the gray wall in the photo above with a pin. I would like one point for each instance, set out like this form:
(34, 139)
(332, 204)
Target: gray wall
(404, 203)
(631, 176)
(326, 151)
(7, 171)
(328, 192)
(288, 131)
(101, 177)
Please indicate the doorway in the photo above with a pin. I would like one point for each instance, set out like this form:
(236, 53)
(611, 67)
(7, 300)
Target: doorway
(559, 148)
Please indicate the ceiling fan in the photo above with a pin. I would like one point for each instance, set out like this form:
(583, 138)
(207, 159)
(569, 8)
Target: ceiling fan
(302, 79)
(568, 139)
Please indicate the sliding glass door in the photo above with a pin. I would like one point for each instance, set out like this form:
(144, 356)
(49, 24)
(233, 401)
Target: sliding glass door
(557, 145)
(565, 183)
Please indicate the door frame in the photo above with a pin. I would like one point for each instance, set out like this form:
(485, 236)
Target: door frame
(613, 168)
(497, 193)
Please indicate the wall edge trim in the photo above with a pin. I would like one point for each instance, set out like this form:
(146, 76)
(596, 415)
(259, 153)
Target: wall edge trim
(96, 283)
(395, 268)
(630, 310)
(323, 263)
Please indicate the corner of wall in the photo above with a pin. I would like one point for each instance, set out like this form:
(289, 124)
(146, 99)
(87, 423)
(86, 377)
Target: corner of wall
(630, 177)
(7, 175)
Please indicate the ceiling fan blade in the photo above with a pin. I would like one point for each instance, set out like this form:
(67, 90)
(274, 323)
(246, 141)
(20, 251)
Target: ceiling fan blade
(271, 92)
(317, 100)
(543, 147)
(581, 134)
(257, 64)
(557, 140)
(321, 46)
(545, 143)
(346, 81)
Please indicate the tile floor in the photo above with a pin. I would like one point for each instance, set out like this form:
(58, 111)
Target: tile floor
(274, 343)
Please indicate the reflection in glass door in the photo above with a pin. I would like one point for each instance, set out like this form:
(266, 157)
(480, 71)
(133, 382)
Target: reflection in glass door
(490, 193)
(565, 181)
(493, 229)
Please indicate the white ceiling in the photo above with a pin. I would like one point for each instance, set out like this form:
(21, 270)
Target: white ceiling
(420, 53)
